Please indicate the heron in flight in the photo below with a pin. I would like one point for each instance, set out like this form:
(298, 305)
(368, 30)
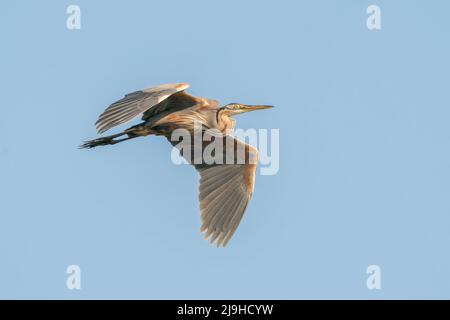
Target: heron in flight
(225, 189)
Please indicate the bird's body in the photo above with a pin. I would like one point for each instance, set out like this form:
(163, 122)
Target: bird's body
(225, 188)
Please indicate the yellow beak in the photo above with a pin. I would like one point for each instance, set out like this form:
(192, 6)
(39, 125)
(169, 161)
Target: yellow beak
(253, 108)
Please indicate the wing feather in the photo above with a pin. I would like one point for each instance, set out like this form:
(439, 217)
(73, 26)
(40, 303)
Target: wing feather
(234, 223)
(225, 191)
(135, 103)
(211, 205)
(211, 186)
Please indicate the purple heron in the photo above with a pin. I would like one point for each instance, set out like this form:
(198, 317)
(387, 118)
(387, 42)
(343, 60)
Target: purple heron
(225, 189)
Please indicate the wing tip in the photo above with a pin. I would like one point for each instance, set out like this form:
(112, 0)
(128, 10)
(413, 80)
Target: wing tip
(215, 237)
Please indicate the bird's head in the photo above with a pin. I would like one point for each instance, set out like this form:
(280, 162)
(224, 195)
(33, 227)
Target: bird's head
(237, 108)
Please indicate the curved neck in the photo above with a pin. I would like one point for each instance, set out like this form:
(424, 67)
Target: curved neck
(224, 121)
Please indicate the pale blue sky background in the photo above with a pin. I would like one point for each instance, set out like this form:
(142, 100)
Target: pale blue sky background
(364, 121)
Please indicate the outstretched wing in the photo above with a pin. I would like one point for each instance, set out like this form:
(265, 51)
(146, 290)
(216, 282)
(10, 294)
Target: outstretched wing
(225, 189)
(135, 103)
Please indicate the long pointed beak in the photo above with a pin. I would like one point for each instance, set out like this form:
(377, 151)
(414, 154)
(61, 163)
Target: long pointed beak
(257, 107)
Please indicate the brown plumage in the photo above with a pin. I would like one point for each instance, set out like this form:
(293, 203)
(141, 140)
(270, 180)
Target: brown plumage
(225, 188)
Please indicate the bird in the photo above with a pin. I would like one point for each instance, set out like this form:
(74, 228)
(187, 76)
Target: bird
(225, 188)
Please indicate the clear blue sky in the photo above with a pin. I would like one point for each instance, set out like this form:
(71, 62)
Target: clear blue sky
(364, 119)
